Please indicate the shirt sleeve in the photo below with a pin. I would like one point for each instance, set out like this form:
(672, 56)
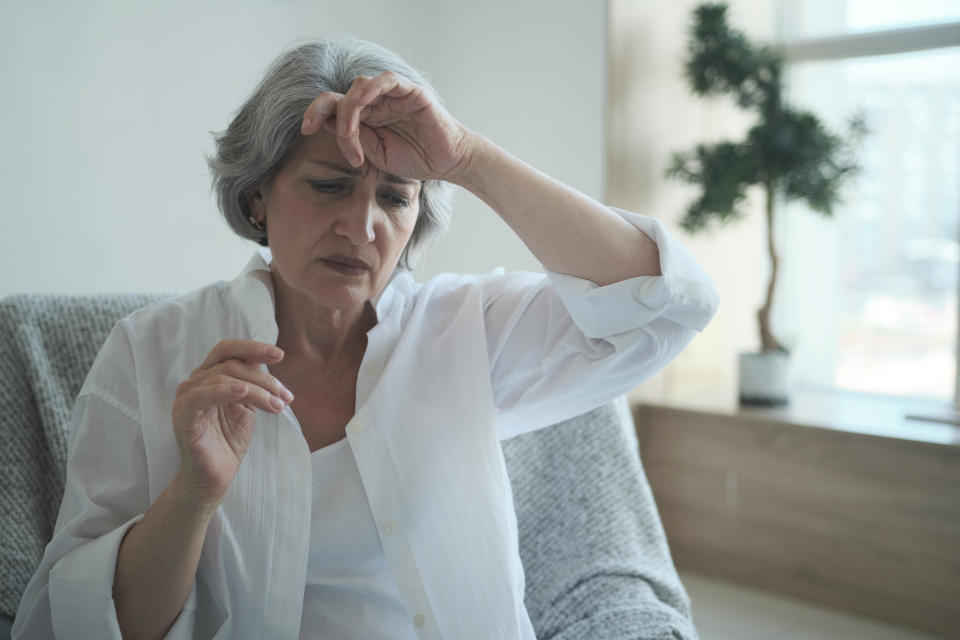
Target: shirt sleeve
(560, 345)
(71, 593)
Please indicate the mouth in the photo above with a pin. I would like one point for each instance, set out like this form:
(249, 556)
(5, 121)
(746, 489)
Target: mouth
(345, 265)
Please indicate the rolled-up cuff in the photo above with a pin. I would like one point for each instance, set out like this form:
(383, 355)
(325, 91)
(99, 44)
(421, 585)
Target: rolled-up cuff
(81, 591)
(684, 293)
(81, 587)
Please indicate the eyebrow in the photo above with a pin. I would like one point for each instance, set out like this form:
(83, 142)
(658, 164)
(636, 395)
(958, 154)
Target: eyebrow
(355, 172)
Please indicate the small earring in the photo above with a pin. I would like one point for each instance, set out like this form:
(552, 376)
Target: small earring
(256, 223)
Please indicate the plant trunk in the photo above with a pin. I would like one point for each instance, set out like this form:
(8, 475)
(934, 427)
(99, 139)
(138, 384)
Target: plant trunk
(767, 341)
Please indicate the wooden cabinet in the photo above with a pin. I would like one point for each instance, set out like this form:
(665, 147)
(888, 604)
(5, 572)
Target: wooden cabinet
(859, 522)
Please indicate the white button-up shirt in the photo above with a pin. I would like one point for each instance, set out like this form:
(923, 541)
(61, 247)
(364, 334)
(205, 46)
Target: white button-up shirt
(350, 592)
(452, 366)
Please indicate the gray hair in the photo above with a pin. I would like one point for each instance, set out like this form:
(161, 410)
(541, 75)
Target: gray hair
(266, 129)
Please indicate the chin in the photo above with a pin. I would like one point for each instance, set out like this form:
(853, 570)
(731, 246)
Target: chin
(342, 295)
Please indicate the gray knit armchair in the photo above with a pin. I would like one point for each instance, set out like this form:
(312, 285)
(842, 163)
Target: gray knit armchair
(592, 545)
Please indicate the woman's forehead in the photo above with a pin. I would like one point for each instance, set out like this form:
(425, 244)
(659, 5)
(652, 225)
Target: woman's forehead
(322, 145)
(321, 150)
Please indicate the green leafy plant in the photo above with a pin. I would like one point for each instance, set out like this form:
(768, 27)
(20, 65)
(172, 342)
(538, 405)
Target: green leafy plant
(788, 152)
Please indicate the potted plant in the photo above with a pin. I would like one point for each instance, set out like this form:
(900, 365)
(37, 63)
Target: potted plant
(788, 153)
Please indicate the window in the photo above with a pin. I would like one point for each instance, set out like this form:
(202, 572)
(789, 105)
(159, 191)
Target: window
(887, 318)
(805, 20)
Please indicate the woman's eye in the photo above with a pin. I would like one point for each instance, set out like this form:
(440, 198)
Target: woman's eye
(326, 187)
(398, 202)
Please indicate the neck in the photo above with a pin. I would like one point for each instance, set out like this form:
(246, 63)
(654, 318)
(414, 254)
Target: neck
(309, 329)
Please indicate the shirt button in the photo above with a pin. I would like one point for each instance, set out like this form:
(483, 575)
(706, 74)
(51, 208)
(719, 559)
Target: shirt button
(357, 426)
(390, 527)
(372, 368)
(418, 620)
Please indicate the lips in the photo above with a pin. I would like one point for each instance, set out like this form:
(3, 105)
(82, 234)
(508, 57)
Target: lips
(347, 261)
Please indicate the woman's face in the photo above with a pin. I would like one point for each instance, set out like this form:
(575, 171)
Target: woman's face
(336, 232)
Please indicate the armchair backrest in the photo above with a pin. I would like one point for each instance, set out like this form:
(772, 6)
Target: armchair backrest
(47, 344)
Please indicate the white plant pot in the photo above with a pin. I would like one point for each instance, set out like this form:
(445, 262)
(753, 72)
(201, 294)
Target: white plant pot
(765, 378)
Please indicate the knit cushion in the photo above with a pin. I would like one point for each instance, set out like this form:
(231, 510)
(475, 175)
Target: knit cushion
(593, 548)
(47, 344)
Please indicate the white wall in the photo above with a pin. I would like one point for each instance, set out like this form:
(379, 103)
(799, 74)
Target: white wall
(531, 76)
(653, 113)
(108, 105)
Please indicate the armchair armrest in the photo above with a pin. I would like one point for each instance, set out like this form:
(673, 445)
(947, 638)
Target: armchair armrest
(593, 547)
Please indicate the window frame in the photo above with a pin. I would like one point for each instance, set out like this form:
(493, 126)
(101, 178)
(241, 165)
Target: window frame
(872, 43)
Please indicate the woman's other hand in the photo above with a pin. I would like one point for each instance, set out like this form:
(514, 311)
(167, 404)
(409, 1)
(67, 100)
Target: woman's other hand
(214, 411)
(396, 124)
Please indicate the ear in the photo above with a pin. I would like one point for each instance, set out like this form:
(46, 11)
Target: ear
(258, 208)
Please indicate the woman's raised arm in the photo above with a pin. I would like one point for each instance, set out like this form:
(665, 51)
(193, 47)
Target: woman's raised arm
(402, 129)
(567, 231)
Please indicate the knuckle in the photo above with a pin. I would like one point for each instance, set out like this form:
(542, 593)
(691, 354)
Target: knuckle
(240, 368)
(215, 353)
(222, 378)
(229, 366)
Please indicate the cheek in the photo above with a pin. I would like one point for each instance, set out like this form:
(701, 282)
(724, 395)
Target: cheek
(406, 236)
(392, 249)
(402, 228)
(397, 244)
(299, 220)
(411, 224)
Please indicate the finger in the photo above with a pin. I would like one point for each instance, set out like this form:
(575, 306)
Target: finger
(357, 103)
(251, 374)
(252, 351)
(223, 390)
(330, 124)
(254, 396)
(189, 406)
(321, 109)
(392, 94)
(372, 148)
(393, 85)
(348, 119)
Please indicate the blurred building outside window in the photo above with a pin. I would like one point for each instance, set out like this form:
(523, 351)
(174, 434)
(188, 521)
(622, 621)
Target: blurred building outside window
(869, 298)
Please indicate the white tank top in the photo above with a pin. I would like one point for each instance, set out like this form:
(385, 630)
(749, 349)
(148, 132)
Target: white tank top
(350, 592)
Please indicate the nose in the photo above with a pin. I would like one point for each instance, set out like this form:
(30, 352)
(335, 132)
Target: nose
(356, 221)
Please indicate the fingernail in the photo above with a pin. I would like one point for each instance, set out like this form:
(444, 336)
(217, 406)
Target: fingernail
(276, 403)
(286, 393)
(274, 352)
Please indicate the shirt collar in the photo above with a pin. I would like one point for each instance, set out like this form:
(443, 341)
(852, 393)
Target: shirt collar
(252, 293)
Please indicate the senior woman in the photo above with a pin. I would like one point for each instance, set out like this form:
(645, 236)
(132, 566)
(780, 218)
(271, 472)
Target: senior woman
(312, 449)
